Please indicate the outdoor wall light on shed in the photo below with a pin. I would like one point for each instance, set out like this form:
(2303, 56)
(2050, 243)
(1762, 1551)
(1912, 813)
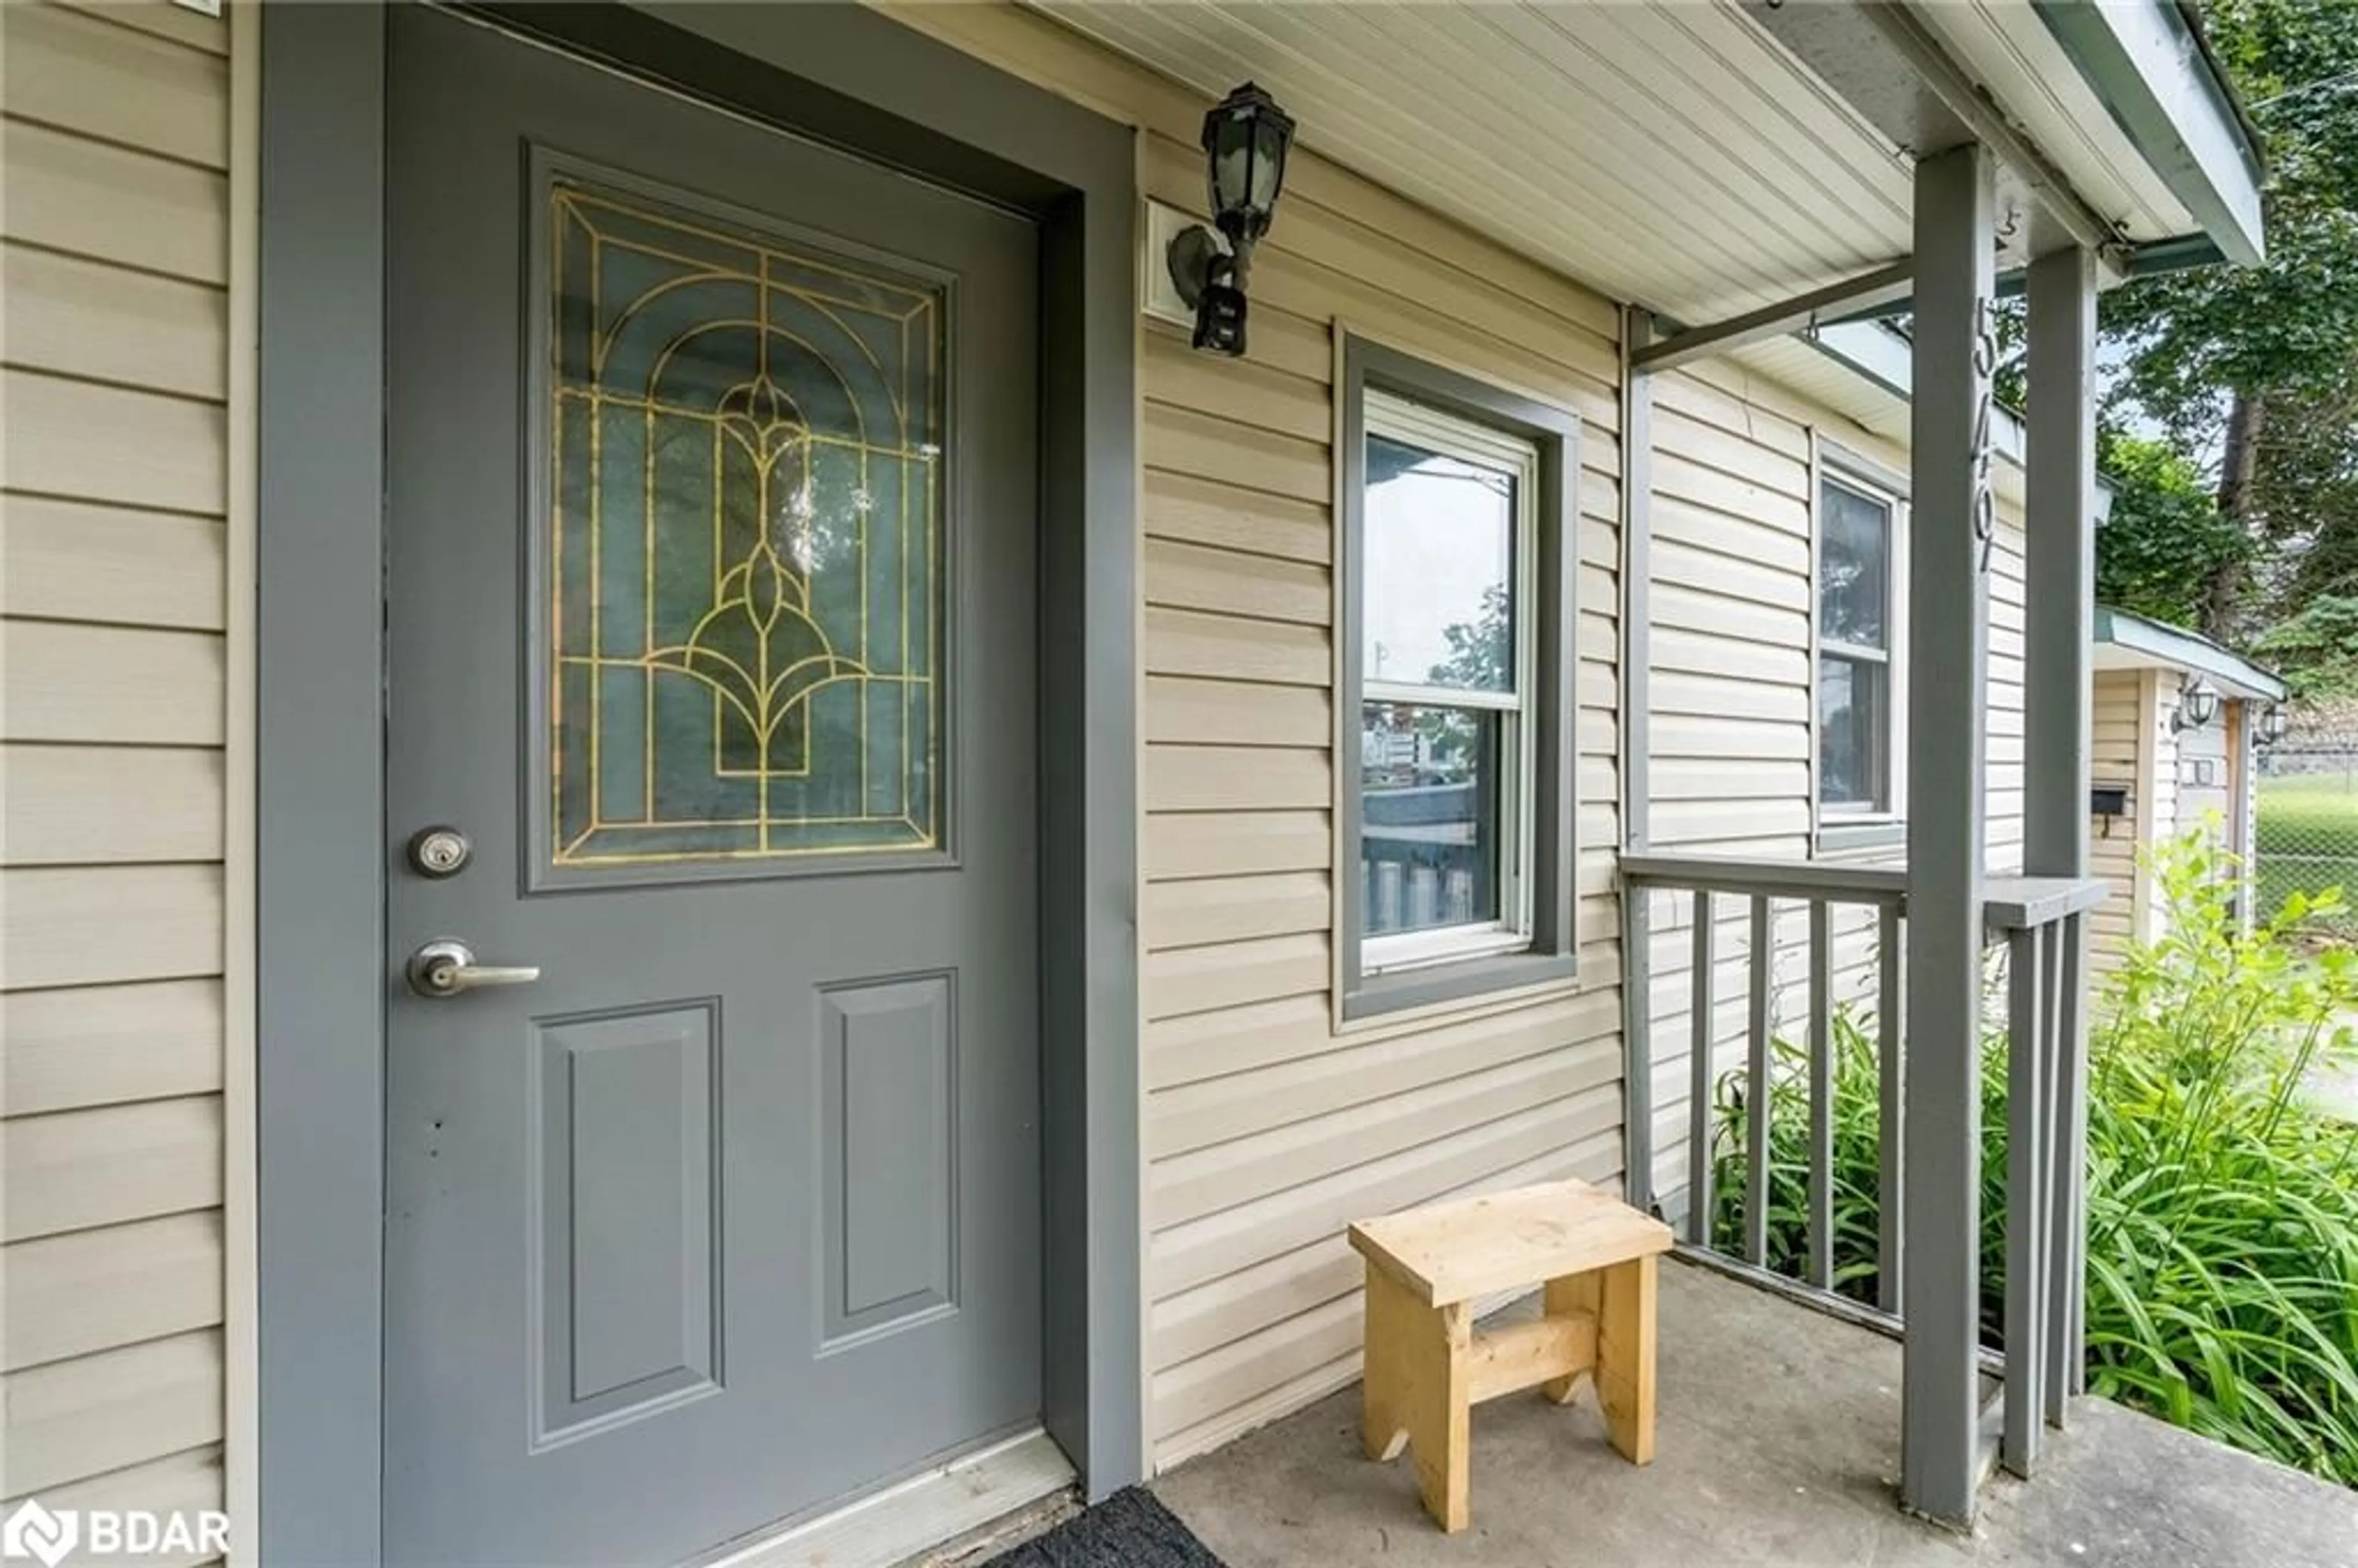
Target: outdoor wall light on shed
(1246, 138)
(2274, 722)
(2198, 704)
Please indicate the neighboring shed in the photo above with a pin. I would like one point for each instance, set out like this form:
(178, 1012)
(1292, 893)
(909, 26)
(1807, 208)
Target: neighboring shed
(2163, 763)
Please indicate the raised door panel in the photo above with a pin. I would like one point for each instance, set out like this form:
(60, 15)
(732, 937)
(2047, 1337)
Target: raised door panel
(629, 1256)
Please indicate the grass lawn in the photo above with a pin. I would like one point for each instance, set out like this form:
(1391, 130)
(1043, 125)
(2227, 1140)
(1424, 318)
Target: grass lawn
(2308, 837)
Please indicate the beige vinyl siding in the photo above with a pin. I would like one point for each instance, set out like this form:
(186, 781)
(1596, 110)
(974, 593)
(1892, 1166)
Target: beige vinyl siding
(1268, 1130)
(1731, 753)
(2159, 704)
(1733, 736)
(114, 369)
(2118, 757)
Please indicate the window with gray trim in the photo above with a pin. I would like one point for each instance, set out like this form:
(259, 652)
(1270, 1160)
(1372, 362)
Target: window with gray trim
(1455, 719)
(1859, 648)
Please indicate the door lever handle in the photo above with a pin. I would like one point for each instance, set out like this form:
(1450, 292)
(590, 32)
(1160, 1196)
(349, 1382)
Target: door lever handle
(446, 967)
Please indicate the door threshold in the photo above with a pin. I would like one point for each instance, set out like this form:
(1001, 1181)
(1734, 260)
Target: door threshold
(943, 1504)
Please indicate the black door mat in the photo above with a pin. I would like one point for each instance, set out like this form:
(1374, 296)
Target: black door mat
(1128, 1530)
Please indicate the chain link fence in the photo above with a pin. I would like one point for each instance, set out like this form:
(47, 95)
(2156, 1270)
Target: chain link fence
(2307, 836)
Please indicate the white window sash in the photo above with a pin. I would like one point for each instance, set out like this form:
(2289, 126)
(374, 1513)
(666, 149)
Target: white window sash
(1890, 655)
(1439, 945)
(1400, 419)
(1440, 696)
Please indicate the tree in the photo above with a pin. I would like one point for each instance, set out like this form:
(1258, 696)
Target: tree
(2248, 372)
(1480, 655)
(2165, 540)
(2318, 647)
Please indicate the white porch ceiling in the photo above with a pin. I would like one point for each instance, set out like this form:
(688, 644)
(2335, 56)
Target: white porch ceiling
(1674, 156)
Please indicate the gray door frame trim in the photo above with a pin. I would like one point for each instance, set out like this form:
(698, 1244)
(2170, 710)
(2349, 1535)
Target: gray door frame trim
(322, 850)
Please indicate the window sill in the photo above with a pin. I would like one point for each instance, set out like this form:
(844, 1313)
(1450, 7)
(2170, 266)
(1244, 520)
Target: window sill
(1861, 837)
(1467, 979)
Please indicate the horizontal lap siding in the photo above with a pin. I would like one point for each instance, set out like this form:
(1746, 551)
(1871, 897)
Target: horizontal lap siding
(1729, 636)
(113, 260)
(2159, 713)
(2118, 757)
(1730, 731)
(1731, 736)
(1259, 1155)
(1268, 1131)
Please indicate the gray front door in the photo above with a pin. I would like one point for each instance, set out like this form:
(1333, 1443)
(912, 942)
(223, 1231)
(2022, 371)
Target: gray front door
(711, 634)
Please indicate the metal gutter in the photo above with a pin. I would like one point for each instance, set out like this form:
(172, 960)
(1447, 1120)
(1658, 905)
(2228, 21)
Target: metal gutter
(2181, 253)
(2179, 648)
(2151, 66)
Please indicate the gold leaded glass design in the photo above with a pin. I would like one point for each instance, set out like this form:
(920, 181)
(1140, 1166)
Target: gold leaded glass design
(745, 543)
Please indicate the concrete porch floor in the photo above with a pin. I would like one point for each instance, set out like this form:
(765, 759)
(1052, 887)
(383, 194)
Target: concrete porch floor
(1778, 1443)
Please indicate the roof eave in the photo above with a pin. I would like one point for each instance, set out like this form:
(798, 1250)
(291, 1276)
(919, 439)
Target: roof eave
(2147, 62)
(2179, 648)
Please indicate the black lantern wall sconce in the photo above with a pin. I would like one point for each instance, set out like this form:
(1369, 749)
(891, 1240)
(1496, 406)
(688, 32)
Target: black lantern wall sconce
(2274, 722)
(1246, 139)
(2198, 704)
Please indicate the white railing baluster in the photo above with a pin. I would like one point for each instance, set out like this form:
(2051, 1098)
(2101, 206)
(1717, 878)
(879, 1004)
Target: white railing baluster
(1699, 1107)
(1755, 1089)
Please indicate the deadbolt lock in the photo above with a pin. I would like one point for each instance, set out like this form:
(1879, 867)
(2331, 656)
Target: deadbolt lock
(439, 851)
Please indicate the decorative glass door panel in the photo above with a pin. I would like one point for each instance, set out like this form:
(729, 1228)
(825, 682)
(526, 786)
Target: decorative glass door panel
(745, 542)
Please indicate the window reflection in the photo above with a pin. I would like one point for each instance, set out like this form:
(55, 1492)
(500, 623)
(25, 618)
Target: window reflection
(1440, 555)
(1854, 592)
(1428, 815)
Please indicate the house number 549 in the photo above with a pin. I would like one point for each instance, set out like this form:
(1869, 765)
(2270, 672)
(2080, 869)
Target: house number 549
(1985, 505)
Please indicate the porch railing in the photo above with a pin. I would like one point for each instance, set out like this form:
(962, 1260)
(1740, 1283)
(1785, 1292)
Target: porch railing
(2041, 922)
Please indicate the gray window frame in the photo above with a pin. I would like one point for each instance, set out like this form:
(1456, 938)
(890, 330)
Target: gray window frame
(1552, 954)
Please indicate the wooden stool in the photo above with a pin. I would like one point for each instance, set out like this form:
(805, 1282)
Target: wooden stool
(1426, 1368)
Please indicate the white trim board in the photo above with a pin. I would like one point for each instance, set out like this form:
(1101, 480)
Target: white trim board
(900, 1522)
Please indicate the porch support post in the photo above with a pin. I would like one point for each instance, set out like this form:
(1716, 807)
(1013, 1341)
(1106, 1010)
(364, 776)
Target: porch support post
(1948, 596)
(2059, 561)
(2060, 570)
(1636, 789)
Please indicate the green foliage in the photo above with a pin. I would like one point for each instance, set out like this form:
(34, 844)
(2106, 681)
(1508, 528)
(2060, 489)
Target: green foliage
(1481, 656)
(2222, 1217)
(2278, 341)
(2223, 1210)
(2293, 322)
(2304, 491)
(2165, 539)
(2318, 647)
(1856, 1171)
